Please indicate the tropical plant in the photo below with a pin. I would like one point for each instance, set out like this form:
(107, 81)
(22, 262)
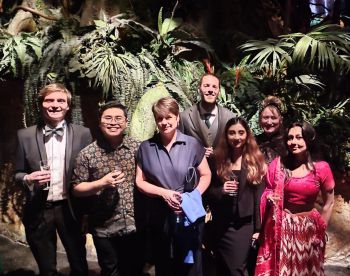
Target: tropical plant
(297, 68)
(57, 44)
(18, 52)
(325, 48)
(121, 58)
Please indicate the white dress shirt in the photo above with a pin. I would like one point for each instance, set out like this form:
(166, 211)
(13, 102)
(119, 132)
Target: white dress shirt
(56, 150)
(213, 113)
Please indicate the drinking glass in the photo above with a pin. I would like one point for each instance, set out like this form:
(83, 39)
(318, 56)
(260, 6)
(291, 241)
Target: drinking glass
(234, 178)
(44, 166)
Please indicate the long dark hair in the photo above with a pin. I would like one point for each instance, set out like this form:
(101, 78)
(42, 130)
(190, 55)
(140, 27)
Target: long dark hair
(252, 158)
(309, 136)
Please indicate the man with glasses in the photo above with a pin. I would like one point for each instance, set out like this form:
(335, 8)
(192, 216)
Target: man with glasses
(105, 171)
(49, 210)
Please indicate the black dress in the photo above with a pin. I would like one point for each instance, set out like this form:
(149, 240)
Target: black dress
(235, 219)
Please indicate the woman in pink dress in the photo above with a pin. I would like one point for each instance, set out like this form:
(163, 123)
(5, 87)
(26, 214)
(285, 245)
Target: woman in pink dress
(293, 236)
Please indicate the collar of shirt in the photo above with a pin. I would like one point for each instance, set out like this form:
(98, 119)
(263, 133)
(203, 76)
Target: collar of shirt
(180, 139)
(103, 143)
(203, 112)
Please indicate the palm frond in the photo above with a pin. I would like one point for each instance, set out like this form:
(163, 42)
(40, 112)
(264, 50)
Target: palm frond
(321, 48)
(271, 54)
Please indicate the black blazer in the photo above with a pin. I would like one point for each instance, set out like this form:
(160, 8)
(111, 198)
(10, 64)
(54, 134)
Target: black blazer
(221, 205)
(30, 150)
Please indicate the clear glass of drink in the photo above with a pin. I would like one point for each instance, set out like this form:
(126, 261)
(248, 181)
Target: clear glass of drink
(44, 166)
(234, 178)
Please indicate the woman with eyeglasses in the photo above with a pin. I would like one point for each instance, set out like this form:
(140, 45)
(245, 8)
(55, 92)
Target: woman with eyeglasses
(293, 237)
(165, 165)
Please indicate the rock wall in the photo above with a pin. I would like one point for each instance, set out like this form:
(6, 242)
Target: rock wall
(338, 247)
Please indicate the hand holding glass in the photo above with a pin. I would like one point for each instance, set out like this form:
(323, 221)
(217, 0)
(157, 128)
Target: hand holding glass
(178, 213)
(44, 166)
(273, 198)
(117, 169)
(118, 175)
(234, 178)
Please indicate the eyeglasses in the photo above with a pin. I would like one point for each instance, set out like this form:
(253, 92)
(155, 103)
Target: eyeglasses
(111, 119)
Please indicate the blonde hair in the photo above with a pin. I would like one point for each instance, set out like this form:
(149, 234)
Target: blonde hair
(51, 88)
(273, 102)
(165, 106)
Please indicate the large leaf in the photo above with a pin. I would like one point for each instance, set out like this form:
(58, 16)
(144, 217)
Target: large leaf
(170, 24)
(309, 81)
(142, 125)
(272, 54)
(321, 48)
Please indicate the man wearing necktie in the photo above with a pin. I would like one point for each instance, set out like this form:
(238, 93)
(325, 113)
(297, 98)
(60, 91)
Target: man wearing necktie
(48, 211)
(206, 120)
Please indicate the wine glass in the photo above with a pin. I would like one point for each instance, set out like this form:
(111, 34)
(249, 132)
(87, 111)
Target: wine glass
(44, 166)
(234, 178)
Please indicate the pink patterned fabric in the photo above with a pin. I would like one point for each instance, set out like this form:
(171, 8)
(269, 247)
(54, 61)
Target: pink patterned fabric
(303, 244)
(282, 231)
(270, 237)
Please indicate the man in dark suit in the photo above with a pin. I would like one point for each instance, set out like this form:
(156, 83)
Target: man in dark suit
(50, 210)
(206, 120)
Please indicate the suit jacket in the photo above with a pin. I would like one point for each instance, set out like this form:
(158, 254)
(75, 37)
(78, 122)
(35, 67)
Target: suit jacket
(30, 150)
(248, 200)
(192, 124)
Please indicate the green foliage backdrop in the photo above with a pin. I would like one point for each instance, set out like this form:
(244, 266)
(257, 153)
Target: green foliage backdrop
(123, 59)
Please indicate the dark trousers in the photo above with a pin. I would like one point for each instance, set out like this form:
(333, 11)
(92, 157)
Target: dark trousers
(119, 255)
(168, 254)
(42, 240)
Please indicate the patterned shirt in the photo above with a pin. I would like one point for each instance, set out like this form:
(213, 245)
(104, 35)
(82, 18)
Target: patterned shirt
(111, 211)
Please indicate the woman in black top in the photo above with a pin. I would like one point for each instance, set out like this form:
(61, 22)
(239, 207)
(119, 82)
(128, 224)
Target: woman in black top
(234, 197)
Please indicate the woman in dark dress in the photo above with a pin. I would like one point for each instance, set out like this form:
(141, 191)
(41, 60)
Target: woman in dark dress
(271, 141)
(234, 197)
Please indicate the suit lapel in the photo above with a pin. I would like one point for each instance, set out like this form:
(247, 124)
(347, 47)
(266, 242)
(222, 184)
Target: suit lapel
(197, 123)
(221, 125)
(242, 181)
(69, 148)
(40, 143)
(39, 194)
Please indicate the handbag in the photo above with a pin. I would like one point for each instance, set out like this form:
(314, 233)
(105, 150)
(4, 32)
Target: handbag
(191, 180)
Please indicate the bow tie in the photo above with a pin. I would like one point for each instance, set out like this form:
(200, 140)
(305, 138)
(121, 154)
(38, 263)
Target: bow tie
(51, 131)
